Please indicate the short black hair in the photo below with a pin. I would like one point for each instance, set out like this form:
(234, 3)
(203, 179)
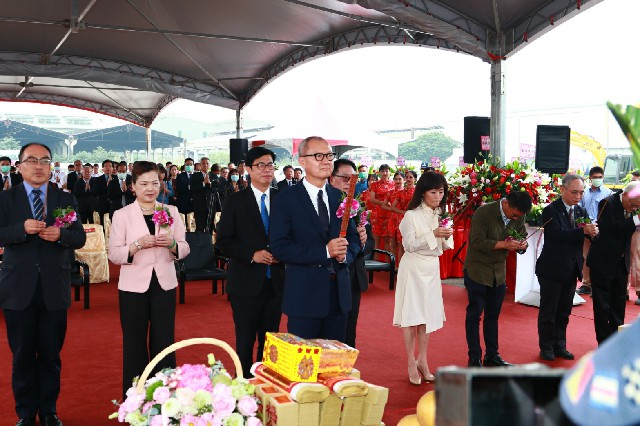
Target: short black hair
(596, 169)
(257, 152)
(384, 167)
(168, 163)
(520, 200)
(635, 173)
(142, 167)
(107, 161)
(287, 167)
(88, 165)
(297, 169)
(215, 167)
(187, 159)
(5, 158)
(24, 147)
(342, 162)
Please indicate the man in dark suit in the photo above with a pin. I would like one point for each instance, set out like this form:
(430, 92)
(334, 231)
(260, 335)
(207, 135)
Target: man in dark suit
(485, 272)
(342, 171)
(256, 278)
(560, 266)
(83, 192)
(205, 192)
(99, 185)
(8, 179)
(305, 236)
(183, 188)
(74, 176)
(35, 284)
(609, 258)
(288, 180)
(119, 190)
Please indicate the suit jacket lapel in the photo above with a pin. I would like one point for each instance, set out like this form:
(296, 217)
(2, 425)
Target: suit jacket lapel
(23, 202)
(307, 204)
(52, 204)
(253, 207)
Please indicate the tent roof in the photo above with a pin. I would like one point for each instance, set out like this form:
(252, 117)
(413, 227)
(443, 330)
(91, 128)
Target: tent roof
(131, 58)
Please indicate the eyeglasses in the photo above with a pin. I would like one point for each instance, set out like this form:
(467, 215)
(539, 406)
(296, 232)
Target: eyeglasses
(262, 166)
(574, 192)
(346, 178)
(319, 156)
(45, 161)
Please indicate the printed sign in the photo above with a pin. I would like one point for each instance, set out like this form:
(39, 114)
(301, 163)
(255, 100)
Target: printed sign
(400, 161)
(435, 162)
(527, 151)
(461, 161)
(486, 143)
(366, 160)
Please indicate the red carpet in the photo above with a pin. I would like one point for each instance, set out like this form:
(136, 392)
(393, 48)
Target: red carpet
(92, 352)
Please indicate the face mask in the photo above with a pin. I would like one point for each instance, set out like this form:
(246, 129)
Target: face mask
(189, 169)
(235, 178)
(5, 169)
(362, 175)
(56, 168)
(122, 176)
(596, 182)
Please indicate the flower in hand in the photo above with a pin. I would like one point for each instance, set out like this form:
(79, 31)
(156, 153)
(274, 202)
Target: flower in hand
(162, 217)
(64, 217)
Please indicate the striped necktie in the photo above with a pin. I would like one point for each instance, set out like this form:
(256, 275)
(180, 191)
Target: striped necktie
(38, 206)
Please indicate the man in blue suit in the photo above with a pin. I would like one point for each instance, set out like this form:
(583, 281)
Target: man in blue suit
(305, 237)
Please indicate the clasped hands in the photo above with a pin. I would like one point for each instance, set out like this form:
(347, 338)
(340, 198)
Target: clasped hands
(39, 227)
(263, 256)
(590, 229)
(443, 232)
(162, 240)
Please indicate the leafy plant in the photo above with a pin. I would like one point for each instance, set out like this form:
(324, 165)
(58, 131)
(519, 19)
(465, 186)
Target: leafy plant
(629, 121)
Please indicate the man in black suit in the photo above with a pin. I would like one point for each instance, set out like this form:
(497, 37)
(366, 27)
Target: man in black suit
(609, 258)
(99, 185)
(560, 266)
(35, 284)
(288, 180)
(256, 278)
(74, 176)
(342, 171)
(82, 190)
(183, 188)
(205, 192)
(8, 179)
(119, 190)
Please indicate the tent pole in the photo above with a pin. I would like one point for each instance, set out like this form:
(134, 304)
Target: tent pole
(239, 123)
(148, 143)
(498, 111)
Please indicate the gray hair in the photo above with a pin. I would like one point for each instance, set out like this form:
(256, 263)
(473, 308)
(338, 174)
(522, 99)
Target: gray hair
(630, 186)
(569, 177)
(302, 148)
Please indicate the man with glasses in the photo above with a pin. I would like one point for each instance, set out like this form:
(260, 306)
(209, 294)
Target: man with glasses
(288, 180)
(256, 278)
(596, 193)
(305, 236)
(35, 288)
(485, 271)
(560, 265)
(609, 259)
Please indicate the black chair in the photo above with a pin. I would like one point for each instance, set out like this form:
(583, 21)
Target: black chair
(79, 277)
(372, 266)
(200, 264)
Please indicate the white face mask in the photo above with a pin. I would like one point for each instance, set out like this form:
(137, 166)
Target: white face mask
(122, 176)
(597, 182)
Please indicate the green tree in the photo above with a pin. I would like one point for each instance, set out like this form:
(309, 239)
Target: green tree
(9, 142)
(432, 144)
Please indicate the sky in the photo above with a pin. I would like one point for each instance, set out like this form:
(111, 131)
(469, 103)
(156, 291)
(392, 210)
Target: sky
(563, 77)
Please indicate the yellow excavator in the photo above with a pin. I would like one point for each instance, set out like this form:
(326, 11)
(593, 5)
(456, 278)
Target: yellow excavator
(616, 166)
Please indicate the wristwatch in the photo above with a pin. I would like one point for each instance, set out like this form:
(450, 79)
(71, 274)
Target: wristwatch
(137, 244)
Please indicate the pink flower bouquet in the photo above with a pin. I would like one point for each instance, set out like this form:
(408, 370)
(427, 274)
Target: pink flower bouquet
(358, 212)
(445, 220)
(64, 217)
(195, 395)
(513, 235)
(582, 221)
(162, 217)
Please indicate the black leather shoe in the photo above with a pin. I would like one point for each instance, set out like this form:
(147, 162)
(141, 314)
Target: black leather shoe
(547, 355)
(474, 363)
(584, 290)
(564, 354)
(50, 420)
(495, 361)
(26, 422)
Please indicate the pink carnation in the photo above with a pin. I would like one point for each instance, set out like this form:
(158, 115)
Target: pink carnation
(247, 406)
(195, 377)
(254, 421)
(161, 394)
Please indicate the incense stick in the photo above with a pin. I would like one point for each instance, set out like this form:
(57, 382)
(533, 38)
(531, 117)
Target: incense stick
(603, 206)
(538, 230)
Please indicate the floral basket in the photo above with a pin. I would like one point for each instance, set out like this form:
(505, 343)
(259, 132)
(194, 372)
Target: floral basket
(191, 395)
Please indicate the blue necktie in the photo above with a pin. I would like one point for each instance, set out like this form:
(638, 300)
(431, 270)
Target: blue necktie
(264, 214)
(38, 207)
(323, 212)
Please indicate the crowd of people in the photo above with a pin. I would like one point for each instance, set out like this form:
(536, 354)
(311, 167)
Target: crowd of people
(265, 225)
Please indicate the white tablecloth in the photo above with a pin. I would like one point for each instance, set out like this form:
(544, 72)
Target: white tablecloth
(527, 289)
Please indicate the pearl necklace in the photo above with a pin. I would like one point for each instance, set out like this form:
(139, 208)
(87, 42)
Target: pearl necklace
(145, 210)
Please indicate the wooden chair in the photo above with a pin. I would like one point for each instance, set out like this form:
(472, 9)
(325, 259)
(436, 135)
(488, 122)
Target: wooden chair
(94, 253)
(80, 277)
(372, 266)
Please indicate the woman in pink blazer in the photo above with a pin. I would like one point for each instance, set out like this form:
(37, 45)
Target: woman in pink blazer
(147, 285)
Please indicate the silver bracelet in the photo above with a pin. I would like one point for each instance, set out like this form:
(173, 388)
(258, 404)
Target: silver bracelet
(137, 244)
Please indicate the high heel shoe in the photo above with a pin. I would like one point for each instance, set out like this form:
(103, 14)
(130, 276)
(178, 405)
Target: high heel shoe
(428, 377)
(415, 380)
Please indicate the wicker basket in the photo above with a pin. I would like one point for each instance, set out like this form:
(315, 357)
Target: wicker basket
(184, 344)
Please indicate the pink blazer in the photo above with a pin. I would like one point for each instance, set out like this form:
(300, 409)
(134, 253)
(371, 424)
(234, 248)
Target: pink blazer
(127, 226)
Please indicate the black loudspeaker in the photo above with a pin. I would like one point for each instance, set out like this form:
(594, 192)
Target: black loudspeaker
(552, 149)
(474, 128)
(238, 149)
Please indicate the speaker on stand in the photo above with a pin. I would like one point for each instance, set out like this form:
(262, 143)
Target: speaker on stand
(475, 128)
